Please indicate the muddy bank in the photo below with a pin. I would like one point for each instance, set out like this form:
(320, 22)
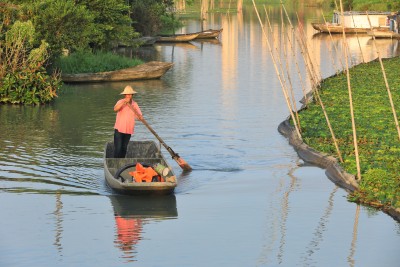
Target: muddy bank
(332, 169)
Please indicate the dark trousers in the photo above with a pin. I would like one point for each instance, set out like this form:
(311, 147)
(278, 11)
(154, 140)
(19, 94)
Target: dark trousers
(121, 141)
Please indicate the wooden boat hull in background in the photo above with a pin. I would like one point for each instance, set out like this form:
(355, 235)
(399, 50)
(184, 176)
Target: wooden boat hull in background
(149, 70)
(336, 28)
(177, 37)
(209, 34)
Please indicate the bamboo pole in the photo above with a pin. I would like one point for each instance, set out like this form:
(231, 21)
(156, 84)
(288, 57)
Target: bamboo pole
(318, 98)
(310, 55)
(292, 98)
(310, 74)
(277, 72)
(353, 123)
(358, 39)
(285, 53)
(331, 38)
(303, 87)
(386, 81)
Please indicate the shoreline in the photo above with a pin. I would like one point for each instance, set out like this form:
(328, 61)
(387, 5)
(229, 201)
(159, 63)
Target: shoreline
(333, 170)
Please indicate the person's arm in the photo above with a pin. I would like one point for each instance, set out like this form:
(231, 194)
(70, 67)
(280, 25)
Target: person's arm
(119, 105)
(138, 111)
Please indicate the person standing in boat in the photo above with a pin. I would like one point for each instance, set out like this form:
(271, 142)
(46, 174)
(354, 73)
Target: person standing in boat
(125, 121)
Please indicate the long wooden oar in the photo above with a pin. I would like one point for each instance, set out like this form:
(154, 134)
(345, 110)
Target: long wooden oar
(181, 162)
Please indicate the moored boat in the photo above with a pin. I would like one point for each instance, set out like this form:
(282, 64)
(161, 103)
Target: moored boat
(208, 34)
(336, 28)
(149, 70)
(355, 21)
(378, 33)
(117, 170)
(177, 37)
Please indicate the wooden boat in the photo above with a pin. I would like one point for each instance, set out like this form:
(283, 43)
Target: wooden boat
(209, 34)
(177, 37)
(383, 33)
(149, 70)
(336, 28)
(116, 170)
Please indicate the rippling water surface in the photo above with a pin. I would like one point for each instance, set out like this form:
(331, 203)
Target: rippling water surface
(249, 201)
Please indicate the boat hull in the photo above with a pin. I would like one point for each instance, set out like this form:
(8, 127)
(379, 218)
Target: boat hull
(384, 34)
(146, 71)
(209, 34)
(144, 152)
(336, 28)
(177, 37)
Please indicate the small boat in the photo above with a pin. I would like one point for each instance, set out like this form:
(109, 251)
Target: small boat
(383, 33)
(149, 70)
(336, 28)
(177, 37)
(116, 170)
(355, 21)
(208, 34)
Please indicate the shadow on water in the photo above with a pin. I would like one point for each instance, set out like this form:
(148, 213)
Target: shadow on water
(131, 213)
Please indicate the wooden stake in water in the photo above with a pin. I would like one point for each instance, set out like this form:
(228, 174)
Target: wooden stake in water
(293, 100)
(353, 123)
(334, 46)
(318, 98)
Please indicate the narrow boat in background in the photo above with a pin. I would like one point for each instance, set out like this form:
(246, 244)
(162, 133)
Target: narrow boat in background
(383, 33)
(177, 37)
(149, 70)
(147, 153)
(209, 34)
(356, 21)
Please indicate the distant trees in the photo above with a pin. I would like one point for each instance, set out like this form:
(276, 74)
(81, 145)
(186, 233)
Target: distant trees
(149, 16)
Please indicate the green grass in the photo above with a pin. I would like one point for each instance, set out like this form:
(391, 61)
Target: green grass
(376, 5)
(377, 137)
(87, 62)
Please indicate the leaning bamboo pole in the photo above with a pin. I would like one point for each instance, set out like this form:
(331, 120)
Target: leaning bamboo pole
(331, 38)
(386, 81)
(311, 56)
(277, 72)
(314, 82)
(358, 39)
(290, 89)
(353, 123)
(319, 100)
(303, 87)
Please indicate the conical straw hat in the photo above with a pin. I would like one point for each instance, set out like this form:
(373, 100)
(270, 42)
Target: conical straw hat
(128, 91)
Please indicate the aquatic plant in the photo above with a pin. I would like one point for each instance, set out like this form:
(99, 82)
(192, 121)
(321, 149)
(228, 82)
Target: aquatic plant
(377, 138)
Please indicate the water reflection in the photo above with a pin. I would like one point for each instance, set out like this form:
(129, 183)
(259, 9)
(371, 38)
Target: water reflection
(131, 213)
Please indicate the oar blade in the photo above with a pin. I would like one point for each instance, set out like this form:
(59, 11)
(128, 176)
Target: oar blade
(183, 164)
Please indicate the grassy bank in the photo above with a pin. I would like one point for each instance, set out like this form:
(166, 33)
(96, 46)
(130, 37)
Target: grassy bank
(87, 62)
(377, 138)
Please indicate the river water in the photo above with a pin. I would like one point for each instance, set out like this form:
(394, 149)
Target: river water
(249, 201)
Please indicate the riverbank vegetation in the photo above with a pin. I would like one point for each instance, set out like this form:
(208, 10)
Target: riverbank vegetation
(88, 62)
(42, 31)
(367, 5)
(377, 137)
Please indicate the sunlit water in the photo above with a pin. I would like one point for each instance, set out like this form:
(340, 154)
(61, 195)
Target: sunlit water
(250, 201)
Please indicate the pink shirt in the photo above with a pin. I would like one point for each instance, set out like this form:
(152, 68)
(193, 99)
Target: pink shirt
(125, 121)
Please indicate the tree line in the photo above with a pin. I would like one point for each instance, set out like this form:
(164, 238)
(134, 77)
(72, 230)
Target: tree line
(35, 33)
